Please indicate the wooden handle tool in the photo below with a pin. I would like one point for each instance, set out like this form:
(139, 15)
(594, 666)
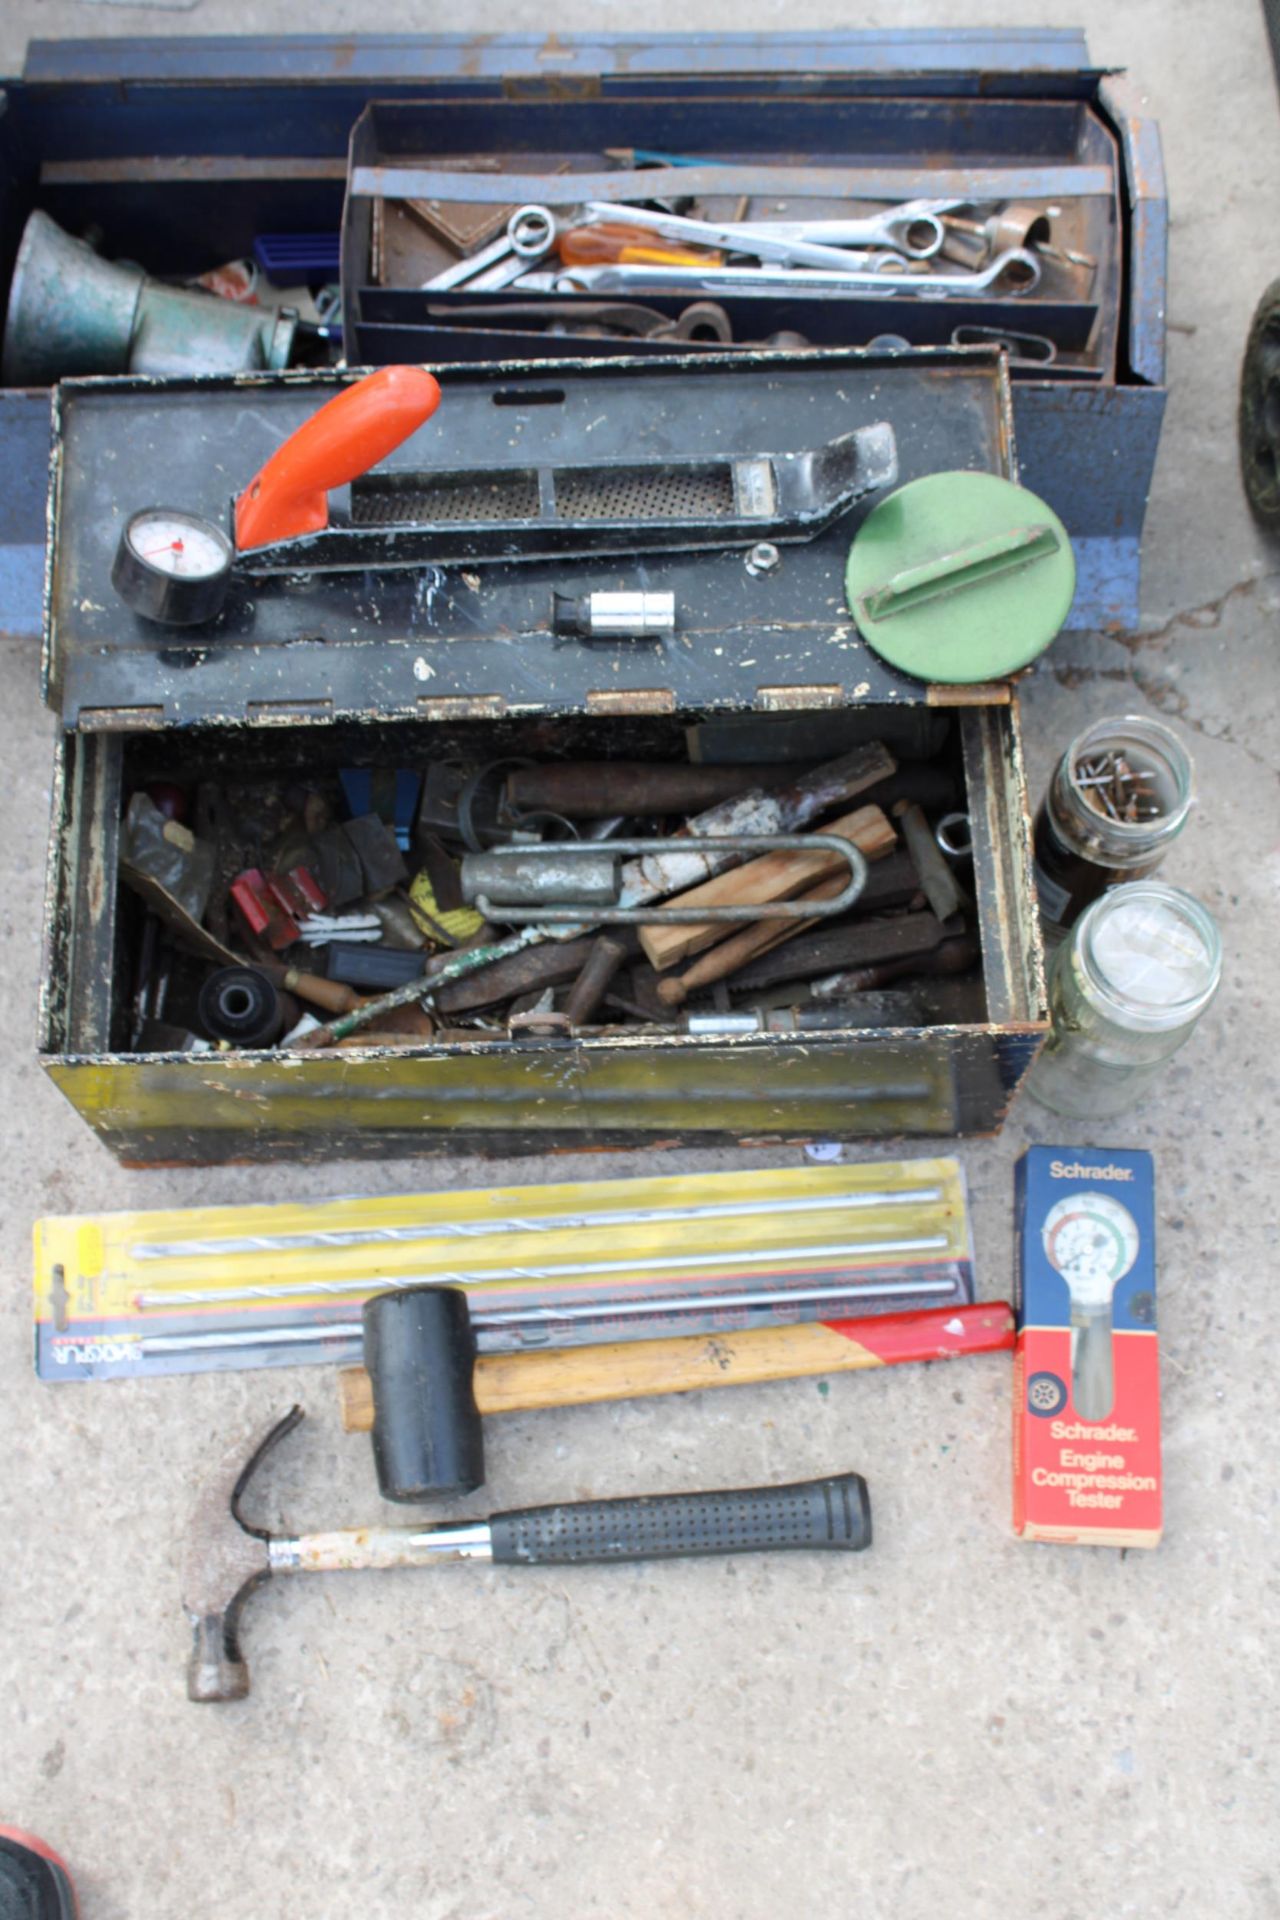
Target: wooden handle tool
(637, 1369)
(772, 877)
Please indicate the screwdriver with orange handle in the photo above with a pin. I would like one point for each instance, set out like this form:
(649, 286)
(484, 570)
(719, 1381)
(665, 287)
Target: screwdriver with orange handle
(608, 244)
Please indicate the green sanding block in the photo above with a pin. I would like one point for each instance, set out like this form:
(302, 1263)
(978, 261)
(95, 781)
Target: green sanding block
(960, 577)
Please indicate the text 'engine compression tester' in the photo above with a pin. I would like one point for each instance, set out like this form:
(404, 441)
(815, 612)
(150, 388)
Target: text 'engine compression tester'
(175, 567)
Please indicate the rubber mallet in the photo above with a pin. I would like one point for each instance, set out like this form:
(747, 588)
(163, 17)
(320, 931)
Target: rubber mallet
(423, 1388)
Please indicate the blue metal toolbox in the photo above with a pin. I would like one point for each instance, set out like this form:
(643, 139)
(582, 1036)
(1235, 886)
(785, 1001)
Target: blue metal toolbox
(207, 147)
(191, 149)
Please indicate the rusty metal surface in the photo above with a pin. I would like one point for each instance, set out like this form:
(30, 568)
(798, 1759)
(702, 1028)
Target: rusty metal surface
(1008, 922)
(985, 57)
(866, 183)
(531, 1095)
(80, 948)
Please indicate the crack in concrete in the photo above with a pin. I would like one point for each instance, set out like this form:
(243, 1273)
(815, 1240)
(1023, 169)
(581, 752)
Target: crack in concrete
(1206, 617)
(1168, 698)
(1160, 690)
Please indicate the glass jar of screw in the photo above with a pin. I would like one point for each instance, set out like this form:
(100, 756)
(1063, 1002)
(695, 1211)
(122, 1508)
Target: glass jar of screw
(1119, 795)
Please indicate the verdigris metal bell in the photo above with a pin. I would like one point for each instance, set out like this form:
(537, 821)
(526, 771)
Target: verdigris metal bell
(71, 312)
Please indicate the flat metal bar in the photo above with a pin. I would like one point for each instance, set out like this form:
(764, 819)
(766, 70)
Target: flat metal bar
(628, 278)
(409, 58)
(852, 183)
(158, 170)
(1147, 205)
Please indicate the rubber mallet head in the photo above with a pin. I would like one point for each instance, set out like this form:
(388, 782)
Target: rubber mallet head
(420, 1355)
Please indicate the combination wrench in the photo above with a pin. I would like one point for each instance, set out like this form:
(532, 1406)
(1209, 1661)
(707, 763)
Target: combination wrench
(913, 229)
(1019, 269)
(529, 236)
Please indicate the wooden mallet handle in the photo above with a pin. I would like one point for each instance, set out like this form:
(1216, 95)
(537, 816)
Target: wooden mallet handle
(636, 1369)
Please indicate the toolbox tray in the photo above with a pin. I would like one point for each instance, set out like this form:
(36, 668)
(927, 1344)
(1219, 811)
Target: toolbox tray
(204, 143)
(395, 669)
(1048, 152)
(471, 641)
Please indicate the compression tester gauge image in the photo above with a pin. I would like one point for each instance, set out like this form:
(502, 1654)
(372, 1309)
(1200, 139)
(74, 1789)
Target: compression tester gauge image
(1092, 1241)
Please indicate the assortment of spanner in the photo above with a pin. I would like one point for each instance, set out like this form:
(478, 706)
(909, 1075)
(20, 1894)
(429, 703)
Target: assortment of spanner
(491, 259)
(614, 247)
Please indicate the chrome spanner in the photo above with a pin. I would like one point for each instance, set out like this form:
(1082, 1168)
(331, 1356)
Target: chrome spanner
(1020, 268)
(914, 229)
(529, 236)
(733, 236)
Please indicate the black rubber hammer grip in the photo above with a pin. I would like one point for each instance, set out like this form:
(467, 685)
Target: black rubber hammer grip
(420, 1353)
(830, 1515)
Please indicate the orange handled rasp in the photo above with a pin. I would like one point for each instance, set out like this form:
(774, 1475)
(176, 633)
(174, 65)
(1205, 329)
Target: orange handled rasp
(349, 434)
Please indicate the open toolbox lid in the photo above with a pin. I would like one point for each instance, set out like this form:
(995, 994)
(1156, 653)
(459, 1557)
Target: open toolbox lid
(474, 638)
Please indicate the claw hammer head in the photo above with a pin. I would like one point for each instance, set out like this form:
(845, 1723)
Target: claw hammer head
(225, 1560)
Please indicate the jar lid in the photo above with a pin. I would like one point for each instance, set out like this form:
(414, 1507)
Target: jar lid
(1153, 952)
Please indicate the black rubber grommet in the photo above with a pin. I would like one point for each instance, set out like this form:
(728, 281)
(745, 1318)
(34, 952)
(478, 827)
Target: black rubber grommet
(240, 1005)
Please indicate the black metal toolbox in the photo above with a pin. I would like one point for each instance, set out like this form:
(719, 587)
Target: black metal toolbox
(412, 667)
(182, 151)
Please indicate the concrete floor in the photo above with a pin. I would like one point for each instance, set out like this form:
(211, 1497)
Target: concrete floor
(956, 1723)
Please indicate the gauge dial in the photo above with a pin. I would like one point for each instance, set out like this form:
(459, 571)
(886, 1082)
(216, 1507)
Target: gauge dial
(1092, 1241)
(172, 566)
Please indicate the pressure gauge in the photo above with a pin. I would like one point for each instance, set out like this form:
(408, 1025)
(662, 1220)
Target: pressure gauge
(172, 566)
(1092, 1241)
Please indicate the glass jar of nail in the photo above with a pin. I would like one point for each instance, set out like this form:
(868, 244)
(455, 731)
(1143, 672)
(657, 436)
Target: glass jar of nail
(1119, 795)
(1126, 989)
